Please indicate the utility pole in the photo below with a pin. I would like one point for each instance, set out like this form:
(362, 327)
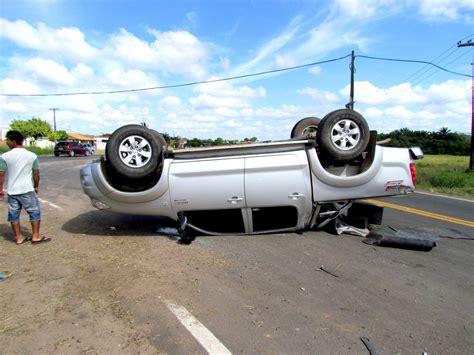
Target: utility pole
(54, 109)
(350, 105)
(471, 159)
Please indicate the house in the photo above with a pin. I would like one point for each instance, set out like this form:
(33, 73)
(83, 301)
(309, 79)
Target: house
(82, 138)
(101, 141)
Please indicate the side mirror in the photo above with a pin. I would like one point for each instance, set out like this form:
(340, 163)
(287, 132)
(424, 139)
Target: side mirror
(416, 153)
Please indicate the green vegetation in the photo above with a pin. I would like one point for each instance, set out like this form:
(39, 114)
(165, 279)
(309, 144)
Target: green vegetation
(445, 174)
(173, 141)
(439, 142)
(36, 128)
(33, 128)
(38, 151)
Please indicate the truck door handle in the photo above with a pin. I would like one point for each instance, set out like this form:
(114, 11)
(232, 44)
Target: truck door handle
(295, 195)
(234, 199)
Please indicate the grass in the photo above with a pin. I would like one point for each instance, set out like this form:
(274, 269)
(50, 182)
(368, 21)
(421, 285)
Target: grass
(38, 151)
(446, 174)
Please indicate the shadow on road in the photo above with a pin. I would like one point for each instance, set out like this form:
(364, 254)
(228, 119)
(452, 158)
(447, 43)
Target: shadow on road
(7, 233)
(101, 223)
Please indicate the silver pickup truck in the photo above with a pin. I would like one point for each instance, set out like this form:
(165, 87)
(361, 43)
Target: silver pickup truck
(290, 185)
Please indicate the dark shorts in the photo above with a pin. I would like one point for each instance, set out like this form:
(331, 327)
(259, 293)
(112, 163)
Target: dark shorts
(27, 201)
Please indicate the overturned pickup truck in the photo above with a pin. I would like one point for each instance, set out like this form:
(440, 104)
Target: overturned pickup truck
(290, 185)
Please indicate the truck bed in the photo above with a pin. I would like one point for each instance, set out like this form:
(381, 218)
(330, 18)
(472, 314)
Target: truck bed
(243, 149)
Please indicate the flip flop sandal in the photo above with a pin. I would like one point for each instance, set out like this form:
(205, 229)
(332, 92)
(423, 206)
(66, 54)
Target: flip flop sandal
(42, 240)
(23, 241)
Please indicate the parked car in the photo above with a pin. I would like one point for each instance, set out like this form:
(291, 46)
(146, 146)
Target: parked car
(70, 148)
(289, 185)
(89, 147)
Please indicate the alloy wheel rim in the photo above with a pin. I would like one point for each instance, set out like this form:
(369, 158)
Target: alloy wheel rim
(135, 151)
(345, 134)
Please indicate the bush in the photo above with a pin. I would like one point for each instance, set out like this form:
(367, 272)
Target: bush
(38, 151)
(449, 179)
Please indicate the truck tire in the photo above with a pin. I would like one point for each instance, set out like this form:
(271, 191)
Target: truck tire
(161, 139)
(343, 135)
(134, 152)
(125, 184)
(307, 127)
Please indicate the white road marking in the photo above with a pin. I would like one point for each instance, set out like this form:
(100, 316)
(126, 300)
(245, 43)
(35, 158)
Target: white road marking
(50, 204)
(450, 197)
(203, 335)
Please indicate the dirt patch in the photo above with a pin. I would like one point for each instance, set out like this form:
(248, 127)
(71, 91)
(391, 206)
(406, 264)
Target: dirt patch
(82, 293)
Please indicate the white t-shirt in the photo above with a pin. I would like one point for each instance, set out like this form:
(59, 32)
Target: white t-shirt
(19, 163)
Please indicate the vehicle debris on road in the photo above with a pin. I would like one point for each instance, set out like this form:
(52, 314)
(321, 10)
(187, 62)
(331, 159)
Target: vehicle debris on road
(390, 237)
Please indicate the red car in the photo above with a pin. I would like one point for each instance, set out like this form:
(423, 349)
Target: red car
(70, 148)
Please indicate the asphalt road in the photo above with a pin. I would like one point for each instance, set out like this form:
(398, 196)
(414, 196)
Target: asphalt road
(282, 293)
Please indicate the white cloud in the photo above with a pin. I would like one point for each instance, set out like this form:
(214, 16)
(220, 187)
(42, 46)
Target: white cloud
(192, 17)
(364, 9)
(171, 52)
(224, 95)
(285, 60)
(48, 72)
(13, 107)
(225, 112)
(447, 10)
(82, 71)
(170, 103)
(117, 77)
(18, 87)
(444, 104)
(66, 42)
(81, 104)
(270, 48)
(367, 93)
(320, 96)
(232, 124)
(315, 70)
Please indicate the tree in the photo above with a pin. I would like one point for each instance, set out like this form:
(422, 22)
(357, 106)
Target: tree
(57, 136)
(33, 128)
(218, 141)
(253, 139)
(440, 142)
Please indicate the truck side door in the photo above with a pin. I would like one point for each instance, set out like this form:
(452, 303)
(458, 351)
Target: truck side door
(210, 192)
(278, 191)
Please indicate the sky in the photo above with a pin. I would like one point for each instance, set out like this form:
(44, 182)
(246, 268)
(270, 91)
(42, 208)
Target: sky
(52, 47)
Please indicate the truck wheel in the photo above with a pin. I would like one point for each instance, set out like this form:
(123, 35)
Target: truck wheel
(307, 127)
(134, 151)
(343, 135)
(161, 139)
(125, 184)
(71, 153)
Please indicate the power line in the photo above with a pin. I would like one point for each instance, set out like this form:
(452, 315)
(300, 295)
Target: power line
(179, 85)
(424, 68)
(235, 77)
(414, 61)
(436, 70)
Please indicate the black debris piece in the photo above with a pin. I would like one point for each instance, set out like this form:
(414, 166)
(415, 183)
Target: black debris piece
(392, 238)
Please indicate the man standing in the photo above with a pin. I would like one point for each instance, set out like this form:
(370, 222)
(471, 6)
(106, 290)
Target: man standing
(23, 181)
